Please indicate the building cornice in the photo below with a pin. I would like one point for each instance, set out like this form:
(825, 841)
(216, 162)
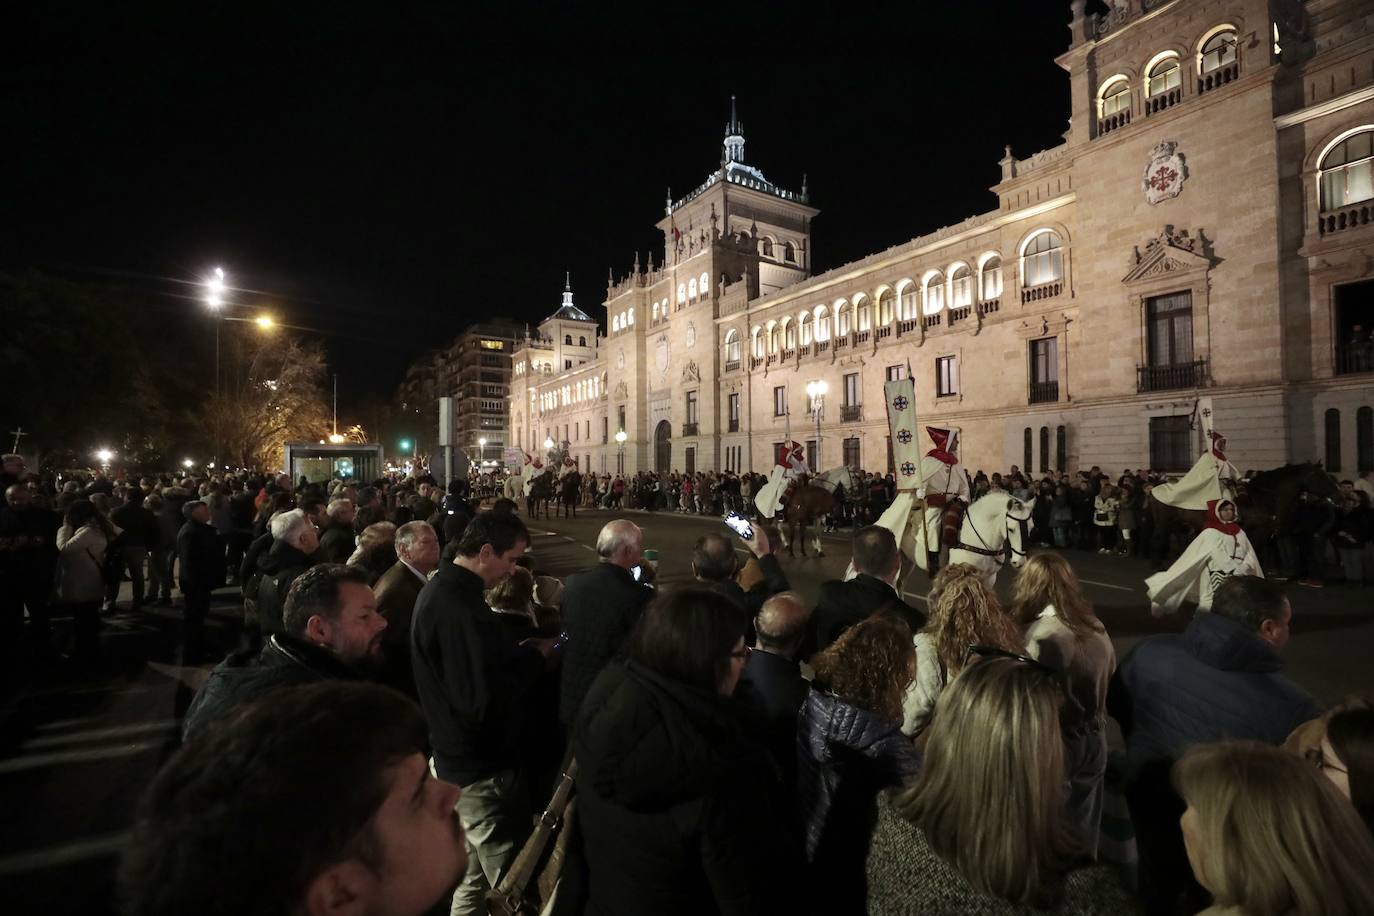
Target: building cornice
(1322, 109)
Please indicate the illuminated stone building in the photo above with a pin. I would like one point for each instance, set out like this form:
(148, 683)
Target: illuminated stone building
(1202, 239)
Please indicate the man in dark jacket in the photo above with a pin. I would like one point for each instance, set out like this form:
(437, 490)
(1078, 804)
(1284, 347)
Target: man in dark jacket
(475, 683)
(878, 563)
(1218, 680)
(417, 555)
(337, 540)
(715, 566)
(200, 562)
(28, 562)
(333, 632)
(293, 551)
(772, 685)
(170, 521)
(138, 536)
(600, 607)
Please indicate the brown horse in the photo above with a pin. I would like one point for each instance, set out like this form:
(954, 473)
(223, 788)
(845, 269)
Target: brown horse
(569, 491)
(1262, 502)
(541, 493)
(805, 505)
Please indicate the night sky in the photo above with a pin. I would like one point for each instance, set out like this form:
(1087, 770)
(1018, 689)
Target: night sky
(387, 173)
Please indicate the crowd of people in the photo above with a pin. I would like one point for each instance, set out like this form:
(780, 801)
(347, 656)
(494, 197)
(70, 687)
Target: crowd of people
(411, 688)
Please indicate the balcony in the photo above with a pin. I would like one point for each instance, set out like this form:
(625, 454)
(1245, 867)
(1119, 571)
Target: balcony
(861, 337)
(1044, 392)
(929, 321)
(1346, 218)
(1157, 103)
(851, 413)
(906, 325)
(734, 425)
(841, 342)
(732, 365)
(959, 314)
(788, 355)
(1113, 121)
(755, 362)
(689, 429)
(822, 346)
(1043, 291)
(1176, 375)
(988, 306)
(1219, 77)
(1355, 357)
(885, 331)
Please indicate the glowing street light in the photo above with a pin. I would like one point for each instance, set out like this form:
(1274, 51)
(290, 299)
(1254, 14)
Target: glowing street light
(187, 463)
(816, 390)
(548, 443)
(105, 456)
(265, 322)
(620, 438)
(335, 439)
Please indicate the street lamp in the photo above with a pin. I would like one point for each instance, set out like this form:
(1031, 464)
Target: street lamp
(104, 455)
(187, 463)
(266, 322)
(481, 451)
(620, 438)
(816, 391)
(214, 298)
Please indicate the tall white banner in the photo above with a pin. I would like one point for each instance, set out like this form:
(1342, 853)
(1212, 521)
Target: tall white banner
(902, 426)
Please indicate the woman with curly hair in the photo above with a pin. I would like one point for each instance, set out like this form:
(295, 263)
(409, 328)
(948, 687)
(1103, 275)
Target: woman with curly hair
(1268, 835)
(376, 550)
(963, 612)
(849, 748)
(1062, 631)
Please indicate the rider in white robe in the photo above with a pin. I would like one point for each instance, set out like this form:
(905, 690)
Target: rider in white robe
(791, 464)
(1220, 550)
(943, 479)
(1210, 479)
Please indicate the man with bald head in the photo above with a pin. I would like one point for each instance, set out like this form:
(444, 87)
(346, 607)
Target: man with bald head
(715, 566)
(600, 608)
(772, 686)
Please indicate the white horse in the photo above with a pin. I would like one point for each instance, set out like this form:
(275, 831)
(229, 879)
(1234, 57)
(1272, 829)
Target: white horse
(991, 525)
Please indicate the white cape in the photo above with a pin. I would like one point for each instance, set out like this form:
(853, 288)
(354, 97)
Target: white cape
(1194, 576)
(1202, 483)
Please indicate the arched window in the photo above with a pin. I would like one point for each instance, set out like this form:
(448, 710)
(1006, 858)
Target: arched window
(1042, 260)
(789, 252)
(1364, 439)
(704, 284)
(774, 338)
(615, 325)
(992, 278)
(885, 302)
(862, 322)
(842, 319)
(1347, 171)
(789, 334)
(961, 286)
(653, 315)
(1217, 52)
(1028, 457)
(1044, 448)
(822, 323)
(567, 340)
(681, 293)
(1333, 439)
(732, 346)
(767, 244)
(692, 288)
(630, 317)
(805, 322)
(1061, 449)
(1163, 77)
(934, 290)
(582, 341)
(1116, 97)
(758, 343)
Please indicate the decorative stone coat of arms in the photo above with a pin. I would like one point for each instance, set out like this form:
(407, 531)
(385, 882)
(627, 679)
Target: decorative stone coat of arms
(621, 392)
(661, 355)
(1164, 176)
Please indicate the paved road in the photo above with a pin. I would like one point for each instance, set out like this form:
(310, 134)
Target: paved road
(75, 751)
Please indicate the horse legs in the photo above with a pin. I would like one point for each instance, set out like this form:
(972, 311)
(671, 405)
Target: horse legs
(782, 533)
(820, 549)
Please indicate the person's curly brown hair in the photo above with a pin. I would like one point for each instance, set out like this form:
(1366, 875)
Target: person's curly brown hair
(964, 612)
(870, 665)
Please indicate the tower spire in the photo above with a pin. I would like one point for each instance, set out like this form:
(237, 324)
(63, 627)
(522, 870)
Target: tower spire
(567, 290)
(734, 136)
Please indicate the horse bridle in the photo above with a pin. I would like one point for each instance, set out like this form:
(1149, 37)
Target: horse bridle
(996, 555)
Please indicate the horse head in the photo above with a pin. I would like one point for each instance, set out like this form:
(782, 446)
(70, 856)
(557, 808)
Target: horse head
(1019, 525)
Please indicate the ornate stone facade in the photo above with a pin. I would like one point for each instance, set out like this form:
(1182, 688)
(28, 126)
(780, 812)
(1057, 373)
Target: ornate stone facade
(1203, 239)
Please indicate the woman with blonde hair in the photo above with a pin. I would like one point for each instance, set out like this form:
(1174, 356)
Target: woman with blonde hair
(963, 612)
(1062, 631)
(376, 550)
(982, 828)
(1268, 835)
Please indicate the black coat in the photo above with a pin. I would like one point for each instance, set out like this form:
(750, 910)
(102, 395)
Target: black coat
(772, 688)
(600, 607)
(843, 604)
(774, 581)
(137, 525)
(279, 567)
(679, 810)
(337, 543)
(200, 558)
(245, 676)
(475, 683)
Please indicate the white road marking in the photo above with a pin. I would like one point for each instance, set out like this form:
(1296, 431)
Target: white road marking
(588, 547)
(1120, 588)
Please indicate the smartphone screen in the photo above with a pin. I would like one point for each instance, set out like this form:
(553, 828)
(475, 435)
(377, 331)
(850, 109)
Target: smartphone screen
(740, 525)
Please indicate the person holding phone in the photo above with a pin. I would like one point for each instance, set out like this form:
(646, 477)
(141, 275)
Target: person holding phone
(715, 565)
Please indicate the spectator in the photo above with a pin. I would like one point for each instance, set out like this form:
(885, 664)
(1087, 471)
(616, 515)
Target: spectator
(138, 531)
(512, 600)
(1265, 833)
(376, 550)
(1081, 501)
(319, 820)
(332, 631)
(28, 561)
(1105, 508)
(1129, 508)
(1351, 535)
(600, 608)
(81, 543)
(474, 684)
(963, 612)
(1061, 630)
(772, 685)
(1219, 679)
(982, 829)
(679, 813)
(1061, 516)
(337, 539)
(1345, 755)
(417, 556)
(200, 560)
(878, 566)
(850, 747)
(715, 567)
(295, 548)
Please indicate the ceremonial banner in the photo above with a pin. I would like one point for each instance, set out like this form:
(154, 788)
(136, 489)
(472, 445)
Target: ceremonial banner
(900, 396)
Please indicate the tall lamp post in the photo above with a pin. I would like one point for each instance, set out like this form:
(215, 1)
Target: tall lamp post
(816, 391)
(481, 452)
(214, 298)
(620, 438)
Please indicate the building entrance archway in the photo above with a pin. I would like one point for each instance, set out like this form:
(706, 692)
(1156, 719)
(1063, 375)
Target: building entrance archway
(663, 447)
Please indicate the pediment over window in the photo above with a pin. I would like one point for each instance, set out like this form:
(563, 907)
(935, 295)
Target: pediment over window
(1169, 254)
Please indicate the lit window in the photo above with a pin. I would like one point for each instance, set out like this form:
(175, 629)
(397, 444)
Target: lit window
(805, 322)
(789, 253)
(731, 347)
(861, 318)
(842, 320)
(1116, 96)
(758, 343)
(1219, 51)
(885, 307)
(1347, 171)
(681, 293)
(630, 317)
(1043, 260)
(961, 286)
(704, 284)
(789, 334)
(767, 247)
(1165, 75)
(992, 278)
(822, 324)
(935, 294)
(692, 288)
(615, 324)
